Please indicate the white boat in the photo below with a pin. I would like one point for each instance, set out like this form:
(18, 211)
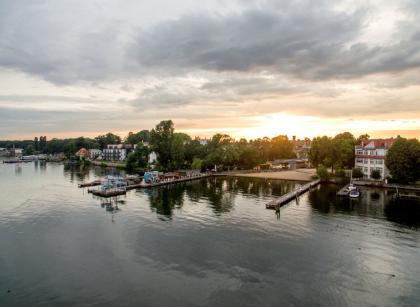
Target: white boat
(354, 193)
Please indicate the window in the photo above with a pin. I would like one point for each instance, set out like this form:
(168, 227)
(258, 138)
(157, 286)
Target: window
(358, 160)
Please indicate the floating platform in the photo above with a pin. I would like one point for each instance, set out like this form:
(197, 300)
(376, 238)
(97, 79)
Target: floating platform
(108, 192)
(90, 184)
(151, 185)
(284, 199)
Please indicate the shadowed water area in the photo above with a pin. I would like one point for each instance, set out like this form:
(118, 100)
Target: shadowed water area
(207, 242)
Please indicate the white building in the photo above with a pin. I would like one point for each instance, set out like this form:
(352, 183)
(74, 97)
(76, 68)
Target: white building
(114, 153)
(371, 155)
(95, 154)
(152, 157)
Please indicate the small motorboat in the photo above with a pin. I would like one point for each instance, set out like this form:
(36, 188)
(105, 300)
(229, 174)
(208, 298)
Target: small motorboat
(355, 193)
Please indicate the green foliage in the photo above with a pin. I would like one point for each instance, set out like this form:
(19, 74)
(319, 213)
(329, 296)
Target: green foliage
(357, 173)
(107, 139)
(135, 138)
(197, 163)
(334, 152)
(322, 172)
(340, 173)
(161, 141)
(281, 148)
(375, 174)
(361, 138)
(29, 150)
(138, 159)
(403, 160)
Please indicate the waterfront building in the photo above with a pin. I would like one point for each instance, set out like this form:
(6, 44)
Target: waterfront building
(117, 152)
(302, 148)
(95, 154)
(82, 153)
(203, 141)
(371, 154)
(152, 157)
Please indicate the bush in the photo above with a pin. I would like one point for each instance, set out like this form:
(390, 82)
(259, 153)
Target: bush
(357, 173)
(340, 173)
(322, 172)
(375, 174)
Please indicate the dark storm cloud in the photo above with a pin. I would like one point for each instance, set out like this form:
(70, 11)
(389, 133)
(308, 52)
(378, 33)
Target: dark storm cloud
(67, 42)
(308, 41)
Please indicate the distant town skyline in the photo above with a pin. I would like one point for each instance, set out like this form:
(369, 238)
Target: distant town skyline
(246, 68)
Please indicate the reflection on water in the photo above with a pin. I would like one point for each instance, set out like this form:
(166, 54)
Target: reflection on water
(373, 202)
(209, 242)
(219, 193)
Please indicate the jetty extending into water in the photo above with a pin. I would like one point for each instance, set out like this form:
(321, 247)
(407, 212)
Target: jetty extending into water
(344, 191)
(167, 182)
(131, 184)
(284, 199)
(108, 192)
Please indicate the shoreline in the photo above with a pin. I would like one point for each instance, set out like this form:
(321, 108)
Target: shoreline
(303, 174)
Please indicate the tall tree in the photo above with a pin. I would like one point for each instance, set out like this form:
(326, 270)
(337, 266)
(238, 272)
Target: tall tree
(107, 139)
(403, 160)
(161, 142)
(343, 150)
(138, 159)
(281, 148)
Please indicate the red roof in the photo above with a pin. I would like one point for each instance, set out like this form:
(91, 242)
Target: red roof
(380, 143)
(83, 152)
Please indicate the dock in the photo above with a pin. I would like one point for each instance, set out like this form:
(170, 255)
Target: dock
(90, 184)
(344, 191)
(284, 199)
(108, 192)
(161, 183)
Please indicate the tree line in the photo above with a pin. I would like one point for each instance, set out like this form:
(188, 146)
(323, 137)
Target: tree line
(177, 150)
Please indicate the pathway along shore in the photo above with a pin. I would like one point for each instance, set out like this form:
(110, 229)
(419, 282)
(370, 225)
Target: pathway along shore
(302, 174)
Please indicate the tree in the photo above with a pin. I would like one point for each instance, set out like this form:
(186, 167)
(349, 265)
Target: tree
(161, 142)
(281, 148)
(107, 139)
(375, 174)
(135, 138)
(179, 140)
(321, 151)
(138, 159)
(197, 163)
(362, 138)
(322, 172)
(343, 150)
(357, 173)
(403, 160)
(249, 156)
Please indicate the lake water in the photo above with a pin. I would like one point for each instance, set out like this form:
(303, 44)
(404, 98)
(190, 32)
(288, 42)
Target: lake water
(205, 243)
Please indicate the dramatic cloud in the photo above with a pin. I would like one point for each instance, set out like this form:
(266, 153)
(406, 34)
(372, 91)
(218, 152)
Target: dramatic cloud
(213, 60)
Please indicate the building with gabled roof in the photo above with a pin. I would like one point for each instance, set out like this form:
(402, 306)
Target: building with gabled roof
(371, 154)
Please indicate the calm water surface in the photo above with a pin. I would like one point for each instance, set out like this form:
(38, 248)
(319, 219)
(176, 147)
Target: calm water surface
(210, 242)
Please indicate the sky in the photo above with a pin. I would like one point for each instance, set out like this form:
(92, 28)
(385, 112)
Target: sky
(247, 68)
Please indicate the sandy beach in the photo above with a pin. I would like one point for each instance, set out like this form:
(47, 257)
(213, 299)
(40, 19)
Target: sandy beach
(303, 174)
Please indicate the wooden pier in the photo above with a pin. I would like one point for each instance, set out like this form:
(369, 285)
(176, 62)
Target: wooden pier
(284, 199)
(90, 184)
(161, 183)
(344, 191)
(108, 192)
